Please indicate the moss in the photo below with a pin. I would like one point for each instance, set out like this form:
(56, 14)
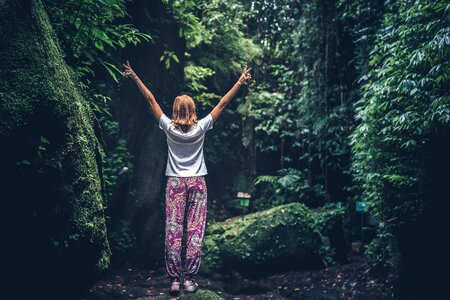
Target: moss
(266, 241)
(198, 295)
(328, 217)
(201, 295)
(50, 152)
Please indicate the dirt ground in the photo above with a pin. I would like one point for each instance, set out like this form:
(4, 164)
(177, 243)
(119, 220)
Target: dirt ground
(354, 280)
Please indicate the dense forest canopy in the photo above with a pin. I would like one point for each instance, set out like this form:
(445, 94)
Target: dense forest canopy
(349, 103)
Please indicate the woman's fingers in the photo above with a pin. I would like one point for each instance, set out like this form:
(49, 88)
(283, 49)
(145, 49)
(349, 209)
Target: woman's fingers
(246, 72)
(128, 70)
(127, 66)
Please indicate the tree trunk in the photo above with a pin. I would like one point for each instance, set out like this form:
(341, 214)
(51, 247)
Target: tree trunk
(144, 205)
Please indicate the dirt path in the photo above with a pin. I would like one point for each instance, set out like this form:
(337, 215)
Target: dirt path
(348, 281)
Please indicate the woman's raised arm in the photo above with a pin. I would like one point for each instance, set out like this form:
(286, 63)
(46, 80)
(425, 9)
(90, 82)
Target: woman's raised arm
(156, 109)
(215, 113)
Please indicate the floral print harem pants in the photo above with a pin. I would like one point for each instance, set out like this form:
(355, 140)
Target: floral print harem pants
(182, 191)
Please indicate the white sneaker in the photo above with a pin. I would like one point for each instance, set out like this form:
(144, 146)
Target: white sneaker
(175, 286)
(190, 285)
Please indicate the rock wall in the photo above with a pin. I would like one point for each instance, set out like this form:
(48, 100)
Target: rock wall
(52, 189)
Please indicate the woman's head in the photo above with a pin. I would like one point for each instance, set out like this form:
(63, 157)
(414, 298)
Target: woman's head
(183, 112)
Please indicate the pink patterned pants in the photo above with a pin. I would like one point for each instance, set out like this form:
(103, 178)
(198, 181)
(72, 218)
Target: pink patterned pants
(179, 192)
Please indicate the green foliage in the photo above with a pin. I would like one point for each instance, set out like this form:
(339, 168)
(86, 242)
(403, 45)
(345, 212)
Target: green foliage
(89, 32)
(404, 101)
(168, 57)
(384, 250)
(116, 159)
(271, 125)
(116, 155)
(302, 110)
(290, 185)
(224, 49)
(121, 237)
(192, 29)
(320, 68)
(215, 63)
(195, 77)
(326, 218)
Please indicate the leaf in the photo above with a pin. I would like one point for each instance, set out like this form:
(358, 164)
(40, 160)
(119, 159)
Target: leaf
(111, 70)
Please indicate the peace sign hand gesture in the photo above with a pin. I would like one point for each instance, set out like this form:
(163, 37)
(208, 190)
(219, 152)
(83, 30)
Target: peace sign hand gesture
(245, 75)
(128, 71)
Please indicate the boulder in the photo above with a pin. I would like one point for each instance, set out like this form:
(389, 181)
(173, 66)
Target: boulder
(52, 187)
(281, 238)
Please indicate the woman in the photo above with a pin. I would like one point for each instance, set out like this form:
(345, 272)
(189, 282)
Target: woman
(185, 173)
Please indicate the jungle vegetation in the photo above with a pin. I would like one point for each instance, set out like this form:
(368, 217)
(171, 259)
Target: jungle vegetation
(350, 103)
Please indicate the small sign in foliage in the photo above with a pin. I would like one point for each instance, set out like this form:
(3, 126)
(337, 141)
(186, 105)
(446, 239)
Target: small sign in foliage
(361, 206)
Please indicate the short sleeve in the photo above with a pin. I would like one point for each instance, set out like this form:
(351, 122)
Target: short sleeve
(164, 122)
(206, 123)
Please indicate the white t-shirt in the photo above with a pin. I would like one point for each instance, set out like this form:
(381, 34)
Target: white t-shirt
(185, 149)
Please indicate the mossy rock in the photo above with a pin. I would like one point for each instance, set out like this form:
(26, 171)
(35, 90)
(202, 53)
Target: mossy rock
(198, 295)
(53, 192)
(283, 237)
(201, 295)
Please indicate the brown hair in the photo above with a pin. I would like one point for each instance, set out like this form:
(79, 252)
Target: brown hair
(183, 112)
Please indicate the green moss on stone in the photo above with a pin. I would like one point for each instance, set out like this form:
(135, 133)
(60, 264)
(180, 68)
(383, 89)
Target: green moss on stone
(201, 295)
(50, 151)
(281, 235)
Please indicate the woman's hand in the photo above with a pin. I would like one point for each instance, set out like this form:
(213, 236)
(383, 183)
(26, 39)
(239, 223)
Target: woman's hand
(215, 113)
(157, 112)
(128, 71)
(245, 75)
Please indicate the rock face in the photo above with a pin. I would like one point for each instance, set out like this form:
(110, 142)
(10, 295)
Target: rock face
(52, 187)
(281, 238)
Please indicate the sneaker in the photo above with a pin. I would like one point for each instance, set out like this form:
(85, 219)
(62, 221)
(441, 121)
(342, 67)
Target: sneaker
(190, 285)
(175, 286)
